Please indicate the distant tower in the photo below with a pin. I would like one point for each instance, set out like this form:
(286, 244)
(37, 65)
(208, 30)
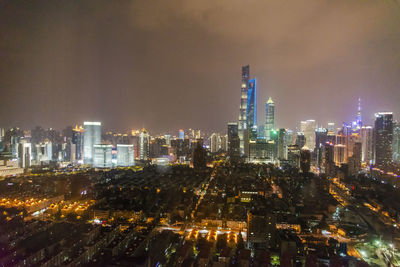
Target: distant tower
(181, 134)
(358, 118)
(269, 118)
(242, 126)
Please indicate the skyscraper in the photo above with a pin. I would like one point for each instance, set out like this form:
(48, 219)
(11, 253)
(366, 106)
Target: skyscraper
(358, 118)
(383, 135)
(366, 134)
(125, 155)
(215, 142)
(251, 113)
(102, 156)
(77, 140)
(233, 141)
(396, 142)
(91, 137)
(181, 134)
(144, 141)
(269, 118)
(242, 126)
(308, 128)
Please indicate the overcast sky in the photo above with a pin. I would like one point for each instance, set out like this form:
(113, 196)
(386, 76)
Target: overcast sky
(166, 65)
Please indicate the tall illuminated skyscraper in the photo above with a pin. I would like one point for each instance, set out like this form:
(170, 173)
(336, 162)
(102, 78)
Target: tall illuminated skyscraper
(308, 128)
(242, 125)
(91, 137)
(366, 134)
(251, 111)
(269, 118)
(383, 135)
(144, 142)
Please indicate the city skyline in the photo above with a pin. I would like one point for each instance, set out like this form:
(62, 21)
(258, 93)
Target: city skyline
(60, 73)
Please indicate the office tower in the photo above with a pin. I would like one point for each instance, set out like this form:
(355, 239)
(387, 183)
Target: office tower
(125, 155)
(305, 160)
(199, 157)
(289, 137)
(25, 154)
(331, 128)
(308, 129)
(282, 152)
(251, 111)
(215, 142)
(300, 140)
(294, 156)
(144, 141)
(367, 148)
(181, 134)
(269, 118)
(396, 142)
(91, 137)
(44, 151)
(224, 142)
(321, 135)
(340, 154)
(102, 156)
(233, 141)
(383, 135)
(77, 140)
(242, 126)
(354, 160)
(167, 139)
(328, 160)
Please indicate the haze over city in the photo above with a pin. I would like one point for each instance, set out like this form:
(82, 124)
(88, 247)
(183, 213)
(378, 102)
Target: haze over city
(176, 64)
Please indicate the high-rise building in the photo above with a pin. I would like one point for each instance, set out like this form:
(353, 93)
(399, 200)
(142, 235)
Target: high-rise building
(328, 160)
(321, 135)
(300, 140)
(125, 155)
(233, 141)
(282, 146)
(181, 134)
(354, 160)
(269, 118)
(359, 118)
(25, 154)
(77, 140)
(215, 142)
(383, 135)
(251, 112)
(396, 142)
(102, 156)
(144, 141)
(224, 143)
(340, 154)
(308, 128)
(331, 128)
(294, 156)
(91, 137)
(242, 126)
(367, 148)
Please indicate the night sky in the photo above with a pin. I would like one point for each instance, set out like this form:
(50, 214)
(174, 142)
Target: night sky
(166, 65)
